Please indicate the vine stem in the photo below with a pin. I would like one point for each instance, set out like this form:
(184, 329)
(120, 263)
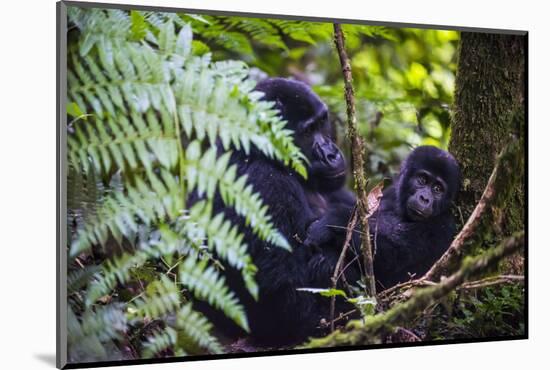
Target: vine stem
(357, 161)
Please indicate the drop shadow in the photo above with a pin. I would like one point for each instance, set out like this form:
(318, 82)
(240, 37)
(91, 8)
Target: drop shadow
(47, 358)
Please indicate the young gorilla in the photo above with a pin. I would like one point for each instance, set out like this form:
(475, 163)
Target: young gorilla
(283, 315)
(413, 225)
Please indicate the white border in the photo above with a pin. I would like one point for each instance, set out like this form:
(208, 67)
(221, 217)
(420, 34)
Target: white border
(28, 181)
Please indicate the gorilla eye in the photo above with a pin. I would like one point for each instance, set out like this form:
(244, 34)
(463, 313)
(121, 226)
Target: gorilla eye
(309, 130)
(422, 179)
(437, 188)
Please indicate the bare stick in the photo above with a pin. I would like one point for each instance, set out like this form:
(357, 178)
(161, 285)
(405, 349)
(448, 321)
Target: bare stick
(341, 259)
(493, 280)
(357, 162)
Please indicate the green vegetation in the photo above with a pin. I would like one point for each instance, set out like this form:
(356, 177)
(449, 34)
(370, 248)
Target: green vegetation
(135, 87)
(156, 101)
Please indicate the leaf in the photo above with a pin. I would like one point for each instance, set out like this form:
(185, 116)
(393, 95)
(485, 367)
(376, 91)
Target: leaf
(74, 110)
(366, 305)
(324, 292)
(139, 25)
(183, 43)
(374, 198)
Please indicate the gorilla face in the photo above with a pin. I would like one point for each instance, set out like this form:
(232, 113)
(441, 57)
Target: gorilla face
(307, 116)
(428, 183)
(327, 164)
(413, 225)
(426, 196)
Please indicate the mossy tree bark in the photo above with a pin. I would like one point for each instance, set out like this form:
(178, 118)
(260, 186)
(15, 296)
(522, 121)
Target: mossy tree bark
(490, 92)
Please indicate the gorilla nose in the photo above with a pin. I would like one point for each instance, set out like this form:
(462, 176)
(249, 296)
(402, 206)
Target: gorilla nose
(424, 199)
(331, 157)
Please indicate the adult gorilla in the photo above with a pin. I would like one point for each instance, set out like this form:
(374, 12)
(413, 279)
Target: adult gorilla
(414, 225)
(283, 315)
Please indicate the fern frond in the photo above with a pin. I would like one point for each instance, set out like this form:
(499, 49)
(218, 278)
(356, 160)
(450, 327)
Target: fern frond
(113, 272)
(124, 130)
(260, 30)
(162, 296)
(207, 102)
(107, 29)
(198, 328)
(224, 238)
(106, 322)
(85, 193)
(209, 286)
(87, 338)
(207, 172)
(356, 30)
(210, 106)
(79, 278)
(212, 28)
(248, 204)
(306, 31)
(81, 345)
(160, 341)
(126, 144)
(150, 203)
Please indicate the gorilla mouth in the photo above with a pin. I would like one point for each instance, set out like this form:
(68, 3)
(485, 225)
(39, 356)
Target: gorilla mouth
(336, 175)
(417, 213)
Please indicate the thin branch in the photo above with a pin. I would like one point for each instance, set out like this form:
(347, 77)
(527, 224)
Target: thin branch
(357, 161)
(341, 259)
(390, 292)
(343, 316)
(491, 281)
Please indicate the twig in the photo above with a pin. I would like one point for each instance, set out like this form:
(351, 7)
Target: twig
(357, 162)
(387, 293)
(354, 259)
(334, 279)
(493, 280)
(341, 317)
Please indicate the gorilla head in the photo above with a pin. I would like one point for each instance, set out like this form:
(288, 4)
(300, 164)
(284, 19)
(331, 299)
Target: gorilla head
(307, 116)
(427, 184)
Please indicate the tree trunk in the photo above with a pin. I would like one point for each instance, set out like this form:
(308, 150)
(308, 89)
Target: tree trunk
(490, 93)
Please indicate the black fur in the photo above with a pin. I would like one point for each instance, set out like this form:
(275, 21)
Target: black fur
(414, 225)
(283, 315)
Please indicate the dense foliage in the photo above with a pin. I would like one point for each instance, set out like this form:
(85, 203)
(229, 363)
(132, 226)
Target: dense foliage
(152, 96)
(403, 78)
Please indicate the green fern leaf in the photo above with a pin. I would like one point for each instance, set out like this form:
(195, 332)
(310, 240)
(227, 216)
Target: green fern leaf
(208, 285)
(162, 296)
(158, 342)
(198, 328)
